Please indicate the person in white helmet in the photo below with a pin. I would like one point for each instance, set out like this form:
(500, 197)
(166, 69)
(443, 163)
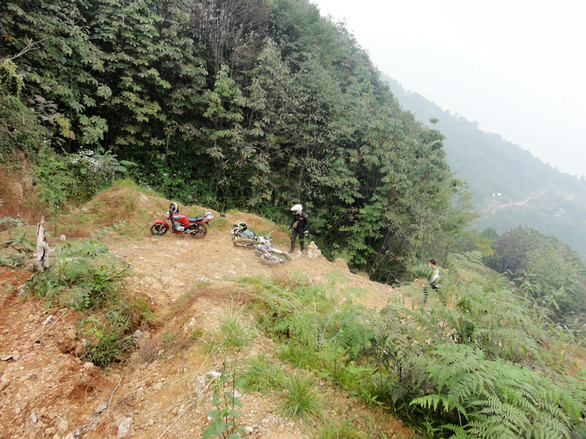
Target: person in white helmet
(300, 226)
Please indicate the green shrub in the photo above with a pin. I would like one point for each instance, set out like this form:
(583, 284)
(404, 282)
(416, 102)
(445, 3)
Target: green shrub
(86, 276)
(18, 250)
(76, 177)
(108, 339)
(496, 398)
(20, 130)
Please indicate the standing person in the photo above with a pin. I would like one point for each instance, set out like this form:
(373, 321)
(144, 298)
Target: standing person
(433, 280)
(300, 225)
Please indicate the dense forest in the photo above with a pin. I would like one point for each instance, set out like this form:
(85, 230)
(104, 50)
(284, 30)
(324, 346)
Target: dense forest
(247, 104)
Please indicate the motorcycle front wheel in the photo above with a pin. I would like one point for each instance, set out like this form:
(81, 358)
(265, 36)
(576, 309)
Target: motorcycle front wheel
(274, 258)
(200, 232)
(158, 229)
(243, 242)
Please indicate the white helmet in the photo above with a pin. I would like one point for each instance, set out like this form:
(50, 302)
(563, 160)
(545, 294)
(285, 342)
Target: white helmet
(297, 208)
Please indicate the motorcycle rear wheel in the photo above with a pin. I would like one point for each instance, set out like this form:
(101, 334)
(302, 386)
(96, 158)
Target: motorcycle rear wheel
(158, 229)
(243, 242)
(200, 232)
(274, 258)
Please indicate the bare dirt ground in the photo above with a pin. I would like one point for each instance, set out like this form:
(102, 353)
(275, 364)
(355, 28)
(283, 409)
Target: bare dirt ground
(162, 390)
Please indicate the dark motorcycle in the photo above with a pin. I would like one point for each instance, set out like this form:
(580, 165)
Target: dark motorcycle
(181, 224)
(263, 245)
(242, 237)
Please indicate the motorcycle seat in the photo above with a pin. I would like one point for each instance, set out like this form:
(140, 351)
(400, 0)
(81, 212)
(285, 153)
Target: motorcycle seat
(196, 219)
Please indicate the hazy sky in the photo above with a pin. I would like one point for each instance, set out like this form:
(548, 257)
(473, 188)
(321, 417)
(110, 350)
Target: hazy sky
(517, 67)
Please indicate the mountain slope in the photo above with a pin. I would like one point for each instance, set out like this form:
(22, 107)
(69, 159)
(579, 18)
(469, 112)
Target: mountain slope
(163, 389)
(509, 186)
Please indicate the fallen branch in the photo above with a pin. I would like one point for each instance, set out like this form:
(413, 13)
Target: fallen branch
(112, 395)
(39, 337)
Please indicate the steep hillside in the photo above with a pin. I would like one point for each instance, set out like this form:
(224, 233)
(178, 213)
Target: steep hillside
(164, 387)
(509, 186)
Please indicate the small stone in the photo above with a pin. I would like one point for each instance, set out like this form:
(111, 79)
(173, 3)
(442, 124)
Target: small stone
(88, 365)
(124, 425)
(47, 321)
(62, 427)
(100, 408)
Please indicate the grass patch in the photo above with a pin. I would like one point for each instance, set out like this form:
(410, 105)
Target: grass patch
(343, 430)
(300, 398)
(261, 375)
(169, 338)
(235, 331)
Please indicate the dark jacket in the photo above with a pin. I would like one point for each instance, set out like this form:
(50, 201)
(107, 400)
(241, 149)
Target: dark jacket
(302, 220)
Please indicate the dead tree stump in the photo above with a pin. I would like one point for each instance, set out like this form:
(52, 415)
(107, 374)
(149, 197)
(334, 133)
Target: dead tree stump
(42, 253)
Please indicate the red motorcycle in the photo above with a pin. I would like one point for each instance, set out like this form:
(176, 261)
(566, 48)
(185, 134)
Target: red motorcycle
(181, 224)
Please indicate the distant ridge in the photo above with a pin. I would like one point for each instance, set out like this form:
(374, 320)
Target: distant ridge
(510, 187)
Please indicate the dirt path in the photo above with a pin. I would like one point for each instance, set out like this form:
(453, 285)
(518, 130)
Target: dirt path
(167, 266)
(524, 202)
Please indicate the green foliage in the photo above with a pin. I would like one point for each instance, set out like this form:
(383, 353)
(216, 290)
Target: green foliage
(76, 177)
(169, 337)
(315, 332)
(20, 131)
(496, 398)
(477, 367)
(108, 339)
(84, 277)
(18, 250)
(485, 365)
(51, 42)
(10, 80)
(224, 417)
(547, 269)
(89, 279)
